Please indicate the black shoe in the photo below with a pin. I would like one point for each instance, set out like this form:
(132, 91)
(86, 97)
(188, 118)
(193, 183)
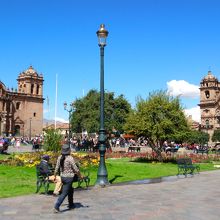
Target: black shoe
(71, 206)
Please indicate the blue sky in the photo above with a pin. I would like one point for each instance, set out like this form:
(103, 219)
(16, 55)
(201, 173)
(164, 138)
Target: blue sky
(150, 43)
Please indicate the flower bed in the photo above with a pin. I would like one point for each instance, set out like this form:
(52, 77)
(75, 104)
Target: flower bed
(152, 157)
(32, 159)
(92, 159)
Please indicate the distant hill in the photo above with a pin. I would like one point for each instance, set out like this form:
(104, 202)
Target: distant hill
(47, 122)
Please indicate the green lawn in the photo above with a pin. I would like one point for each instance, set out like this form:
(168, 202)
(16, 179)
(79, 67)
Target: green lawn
(4, 156)
(16, 181)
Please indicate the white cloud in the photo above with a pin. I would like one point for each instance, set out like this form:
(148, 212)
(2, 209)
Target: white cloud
(46, 111)
(183, 89)
(194, 112)
(61, 120)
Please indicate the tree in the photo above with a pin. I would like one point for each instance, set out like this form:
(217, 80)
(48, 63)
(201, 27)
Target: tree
(216, 136)
(52, 140)
(198, 137)
(158, 118)
(86, 114)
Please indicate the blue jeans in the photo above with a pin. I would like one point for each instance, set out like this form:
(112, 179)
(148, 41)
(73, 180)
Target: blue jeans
(67, 190)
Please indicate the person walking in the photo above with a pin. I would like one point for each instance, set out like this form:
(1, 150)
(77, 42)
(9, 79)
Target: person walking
(67, 168)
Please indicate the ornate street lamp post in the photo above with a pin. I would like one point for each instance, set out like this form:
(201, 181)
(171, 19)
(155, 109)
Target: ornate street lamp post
(30, 130)
(69, 111)
(102, 175)
(207, 127)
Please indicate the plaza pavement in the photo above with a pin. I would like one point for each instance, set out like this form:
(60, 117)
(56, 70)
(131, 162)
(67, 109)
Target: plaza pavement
(28, 148)
(191, 198)
(21, 149)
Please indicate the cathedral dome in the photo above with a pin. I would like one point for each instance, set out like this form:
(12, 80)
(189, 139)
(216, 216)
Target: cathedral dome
(31, 71)
(210, 76)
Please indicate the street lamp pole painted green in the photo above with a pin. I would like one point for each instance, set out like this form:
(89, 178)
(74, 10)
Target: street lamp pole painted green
(102, 175)
(69, 111)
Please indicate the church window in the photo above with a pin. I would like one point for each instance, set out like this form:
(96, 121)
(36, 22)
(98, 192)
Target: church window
(35, 114)
(37, 89)
(32, 88)
(206, 110)
(207, 84)
(18, 104)
(207, 123)
(207, 94)
(8, 107)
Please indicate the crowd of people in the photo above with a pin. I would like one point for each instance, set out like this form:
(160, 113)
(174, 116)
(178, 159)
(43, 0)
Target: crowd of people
(91, 143)
(17, 142)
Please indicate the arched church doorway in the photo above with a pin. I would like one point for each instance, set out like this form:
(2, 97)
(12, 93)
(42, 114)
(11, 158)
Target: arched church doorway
(17, 130)
(0, 126)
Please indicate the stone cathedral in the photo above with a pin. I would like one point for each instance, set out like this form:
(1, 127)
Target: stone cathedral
(21, 109)
(210, 104)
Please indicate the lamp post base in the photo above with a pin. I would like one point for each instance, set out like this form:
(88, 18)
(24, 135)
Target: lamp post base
(102, 181)
(102, 175)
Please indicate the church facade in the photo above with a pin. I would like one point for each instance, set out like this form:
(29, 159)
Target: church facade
(210, 104)
(21, 109)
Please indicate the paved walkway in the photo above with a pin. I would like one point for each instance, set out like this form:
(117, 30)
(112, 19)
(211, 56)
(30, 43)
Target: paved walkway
(21, 149)
(195, 198)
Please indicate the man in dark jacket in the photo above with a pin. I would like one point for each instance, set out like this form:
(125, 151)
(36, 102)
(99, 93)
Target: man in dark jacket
(46, 171)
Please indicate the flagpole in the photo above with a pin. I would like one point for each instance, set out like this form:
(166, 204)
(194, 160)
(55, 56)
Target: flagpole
(48, 109)
(55, 117)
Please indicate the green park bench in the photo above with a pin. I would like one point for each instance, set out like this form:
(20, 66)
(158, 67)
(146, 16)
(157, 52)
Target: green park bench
(185, 166)
(43, 180)
(85, 179)
(202, 150)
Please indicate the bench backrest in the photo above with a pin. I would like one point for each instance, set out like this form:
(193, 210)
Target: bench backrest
(39, 174)
(184, 161)
(188, 161)
(180, 161)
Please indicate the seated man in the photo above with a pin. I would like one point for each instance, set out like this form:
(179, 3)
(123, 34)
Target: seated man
(46, 170)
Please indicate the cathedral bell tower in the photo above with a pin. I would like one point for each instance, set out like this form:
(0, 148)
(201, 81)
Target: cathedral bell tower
(28, 117)
(30, 83)
(209, 104)
(21, 109)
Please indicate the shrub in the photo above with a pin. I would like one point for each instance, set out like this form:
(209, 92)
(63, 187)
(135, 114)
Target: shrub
(52, 140)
